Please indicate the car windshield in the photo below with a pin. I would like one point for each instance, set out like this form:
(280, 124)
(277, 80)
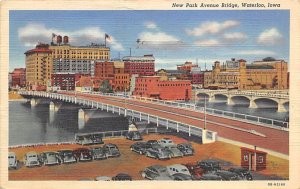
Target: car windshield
(11, 157)
(184, 170)
(31, 156)
(98, 150)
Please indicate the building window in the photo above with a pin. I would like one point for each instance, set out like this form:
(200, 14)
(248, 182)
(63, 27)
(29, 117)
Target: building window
(260, 159)
(246, 157)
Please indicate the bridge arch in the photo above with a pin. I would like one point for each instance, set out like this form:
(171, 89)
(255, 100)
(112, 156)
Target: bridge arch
(238, 99)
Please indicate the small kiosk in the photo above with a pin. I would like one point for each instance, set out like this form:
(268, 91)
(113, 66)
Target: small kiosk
(253, 159)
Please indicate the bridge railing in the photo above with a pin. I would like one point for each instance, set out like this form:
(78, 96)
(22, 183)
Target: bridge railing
(273, 123)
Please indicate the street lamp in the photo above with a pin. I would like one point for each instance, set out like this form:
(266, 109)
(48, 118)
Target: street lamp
(204, 112)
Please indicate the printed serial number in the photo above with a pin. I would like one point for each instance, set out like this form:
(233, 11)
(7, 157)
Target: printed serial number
(276, 184)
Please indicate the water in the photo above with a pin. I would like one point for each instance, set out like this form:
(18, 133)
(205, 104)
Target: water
(34, 125)
(266, 109)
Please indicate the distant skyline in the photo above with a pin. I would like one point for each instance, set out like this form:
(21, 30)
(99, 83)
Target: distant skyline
(173, 37)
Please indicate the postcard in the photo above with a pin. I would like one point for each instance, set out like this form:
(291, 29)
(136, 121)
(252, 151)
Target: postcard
(146, 94)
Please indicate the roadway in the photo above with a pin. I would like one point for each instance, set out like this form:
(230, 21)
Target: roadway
(275, 140)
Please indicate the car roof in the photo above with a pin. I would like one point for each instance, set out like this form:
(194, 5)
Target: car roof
(177, 166)
(12, 154)
(158, 167)
(110, 144)
(31, 153)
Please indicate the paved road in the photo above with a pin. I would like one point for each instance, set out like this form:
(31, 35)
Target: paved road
(276, 140)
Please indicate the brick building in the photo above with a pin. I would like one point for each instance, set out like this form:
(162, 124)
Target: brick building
(197, 76)
(104, 70)
(187, 66)
(154, 87)
(18, 77)
(141, 65)
(266, 74)
(121, 82)
(63, 81)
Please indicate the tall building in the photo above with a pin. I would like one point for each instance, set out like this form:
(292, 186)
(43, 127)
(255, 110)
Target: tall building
(18, 77)
(197, 76)
(63, 81)
(104, 70)
(154, 87)
(38, 67)
(266, 74)
(141, 65)
(187, 66)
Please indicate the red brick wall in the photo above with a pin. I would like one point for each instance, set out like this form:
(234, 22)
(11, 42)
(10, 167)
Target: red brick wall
(104, 70)
(141, 68)
(121, 81)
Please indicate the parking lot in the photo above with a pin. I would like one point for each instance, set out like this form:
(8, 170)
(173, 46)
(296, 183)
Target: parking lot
(132, 163)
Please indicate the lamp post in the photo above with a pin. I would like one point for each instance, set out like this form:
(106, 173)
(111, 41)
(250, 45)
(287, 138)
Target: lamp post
(204, 112)
(76, 92)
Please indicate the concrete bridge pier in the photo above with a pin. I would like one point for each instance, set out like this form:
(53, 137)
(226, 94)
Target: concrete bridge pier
(252, 103)
(281, 107)
(33, 102)
(229, 100)
(81, 119)
(211, 98)
(206, 139)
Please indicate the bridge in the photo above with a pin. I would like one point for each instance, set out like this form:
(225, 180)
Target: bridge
(281, 98)
(266, 136)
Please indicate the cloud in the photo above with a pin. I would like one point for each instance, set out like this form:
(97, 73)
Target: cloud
(211, 27)
(151, 25)
(207, 43)
(33, 33)
(270, 37)
(158, 40)
(234, 37)
(255, 52)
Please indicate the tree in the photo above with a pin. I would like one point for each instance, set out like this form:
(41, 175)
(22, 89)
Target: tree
(106, 87)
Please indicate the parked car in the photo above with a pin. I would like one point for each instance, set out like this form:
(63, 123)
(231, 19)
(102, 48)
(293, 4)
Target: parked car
(152, 142)
(97, 139)
(98, 153)
(103, 178)
(83, 154)
(186, 149)
(195, 170)
(209, 165)
(111, 150)
(178, 169)
(134, 135)
(158, 153)
(155, 172)
(31, 159)
(122, 177)
(227, 175)
(84, 139)
(140, 147)
(166, 142)
(49, 158)
(12, 160)
(242, 172)
(174, 151)
(210, 176)
(66, 156)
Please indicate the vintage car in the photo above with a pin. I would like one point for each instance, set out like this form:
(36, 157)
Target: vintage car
(111, 150)
(103, 178)
(12, 160)
(227, 175)
(243, 173)
(195, 170)
(134, 135)
(156, 172)
(49, 158)
(97, 139)
(122, 177)
(166, 142)
(179, 172)
(210, 176)
(186, 149)
(209, 165)
(152, 142)
(66, 156)
(140, 147)
(159, 152)
(98, 153)
(31, 159)
(83, 154)
(175, 152)
(84, 139)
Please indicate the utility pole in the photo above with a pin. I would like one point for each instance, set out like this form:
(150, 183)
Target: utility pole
(205, 113)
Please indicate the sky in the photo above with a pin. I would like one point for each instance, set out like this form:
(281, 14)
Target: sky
(173, 37)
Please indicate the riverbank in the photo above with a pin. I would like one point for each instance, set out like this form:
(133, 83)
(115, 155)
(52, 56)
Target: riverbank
(132, 163)
(14, 96)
